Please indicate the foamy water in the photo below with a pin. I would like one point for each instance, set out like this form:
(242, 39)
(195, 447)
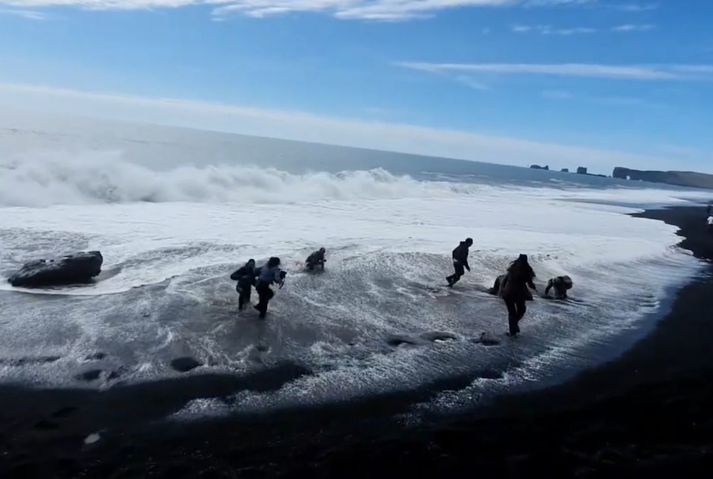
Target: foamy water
(170, 240)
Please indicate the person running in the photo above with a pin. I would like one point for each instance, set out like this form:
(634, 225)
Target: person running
(245, 276)
(316, 259)
(269, 274)
(514, 291)
(560, 284)
(460, 261)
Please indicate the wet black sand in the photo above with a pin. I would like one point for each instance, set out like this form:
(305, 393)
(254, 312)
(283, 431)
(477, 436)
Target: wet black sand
(649, 413)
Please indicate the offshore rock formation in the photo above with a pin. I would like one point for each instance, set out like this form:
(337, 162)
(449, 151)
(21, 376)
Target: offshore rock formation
(678, 178)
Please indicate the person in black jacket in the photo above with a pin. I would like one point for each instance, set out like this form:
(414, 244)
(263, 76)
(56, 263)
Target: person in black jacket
(560, 284)
(460, 261)
(245, 276)
(316, 259)
(513, 290)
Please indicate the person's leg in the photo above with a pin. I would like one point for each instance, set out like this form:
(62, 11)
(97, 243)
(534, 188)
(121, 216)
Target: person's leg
(268, 294)
(245, 296)
(512, 316)
(262, 298)
(459, 271)
(241, 298)
(521, 308)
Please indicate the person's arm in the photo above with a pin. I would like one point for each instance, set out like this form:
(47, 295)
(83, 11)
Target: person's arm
(237, 274)
(465, 263)
(530, 280)
(547, 289)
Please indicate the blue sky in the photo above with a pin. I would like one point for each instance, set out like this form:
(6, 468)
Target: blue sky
(632, 78)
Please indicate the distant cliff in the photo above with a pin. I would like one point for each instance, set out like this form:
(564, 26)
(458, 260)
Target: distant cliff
(678, 178)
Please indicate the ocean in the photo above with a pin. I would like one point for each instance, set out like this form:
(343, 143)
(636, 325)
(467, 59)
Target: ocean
(175, 211)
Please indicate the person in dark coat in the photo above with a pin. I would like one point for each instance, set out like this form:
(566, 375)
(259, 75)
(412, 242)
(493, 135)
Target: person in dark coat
(245, 276)
(269, 274)
(495, 290)
(560, 284)
(460, 261)
(514, 291)
(316, 259)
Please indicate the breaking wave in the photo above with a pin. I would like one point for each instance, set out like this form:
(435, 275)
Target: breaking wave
(95, 178)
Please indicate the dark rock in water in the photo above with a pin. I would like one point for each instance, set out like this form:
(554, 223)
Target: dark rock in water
(439, 336)
(92, 375)
(95, 357)
(70, 269)
(184, 365)
(400, 341)
(487, 340)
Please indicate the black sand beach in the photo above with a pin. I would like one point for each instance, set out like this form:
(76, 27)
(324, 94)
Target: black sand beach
(646, 413)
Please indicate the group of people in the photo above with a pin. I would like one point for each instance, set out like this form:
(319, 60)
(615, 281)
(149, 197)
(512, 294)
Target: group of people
(512, 287)
(262, 278)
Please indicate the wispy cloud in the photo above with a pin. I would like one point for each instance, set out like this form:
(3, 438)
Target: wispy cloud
(375, 10)
(616, 101)
(581, 70)
(549, 30)
(558, 3)
(635, 7)
(629, 27)
(309, 127)
(26, 14)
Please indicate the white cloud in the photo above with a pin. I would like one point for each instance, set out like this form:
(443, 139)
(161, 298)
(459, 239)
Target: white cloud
(549, 30)
(26, 14)
(308, 127)
(380, 10)
(581, 70)
(636, 7)
(630, 27)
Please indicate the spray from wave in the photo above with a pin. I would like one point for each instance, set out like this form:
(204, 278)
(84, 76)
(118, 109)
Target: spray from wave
(45, 179)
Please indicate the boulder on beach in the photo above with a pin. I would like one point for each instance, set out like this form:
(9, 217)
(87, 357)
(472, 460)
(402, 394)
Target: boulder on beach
(70, 269)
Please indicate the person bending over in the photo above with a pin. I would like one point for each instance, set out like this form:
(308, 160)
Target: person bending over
(316, 259)
(560, 284)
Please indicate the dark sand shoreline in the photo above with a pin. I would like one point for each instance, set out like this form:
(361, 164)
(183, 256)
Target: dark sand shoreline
(646, 412)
